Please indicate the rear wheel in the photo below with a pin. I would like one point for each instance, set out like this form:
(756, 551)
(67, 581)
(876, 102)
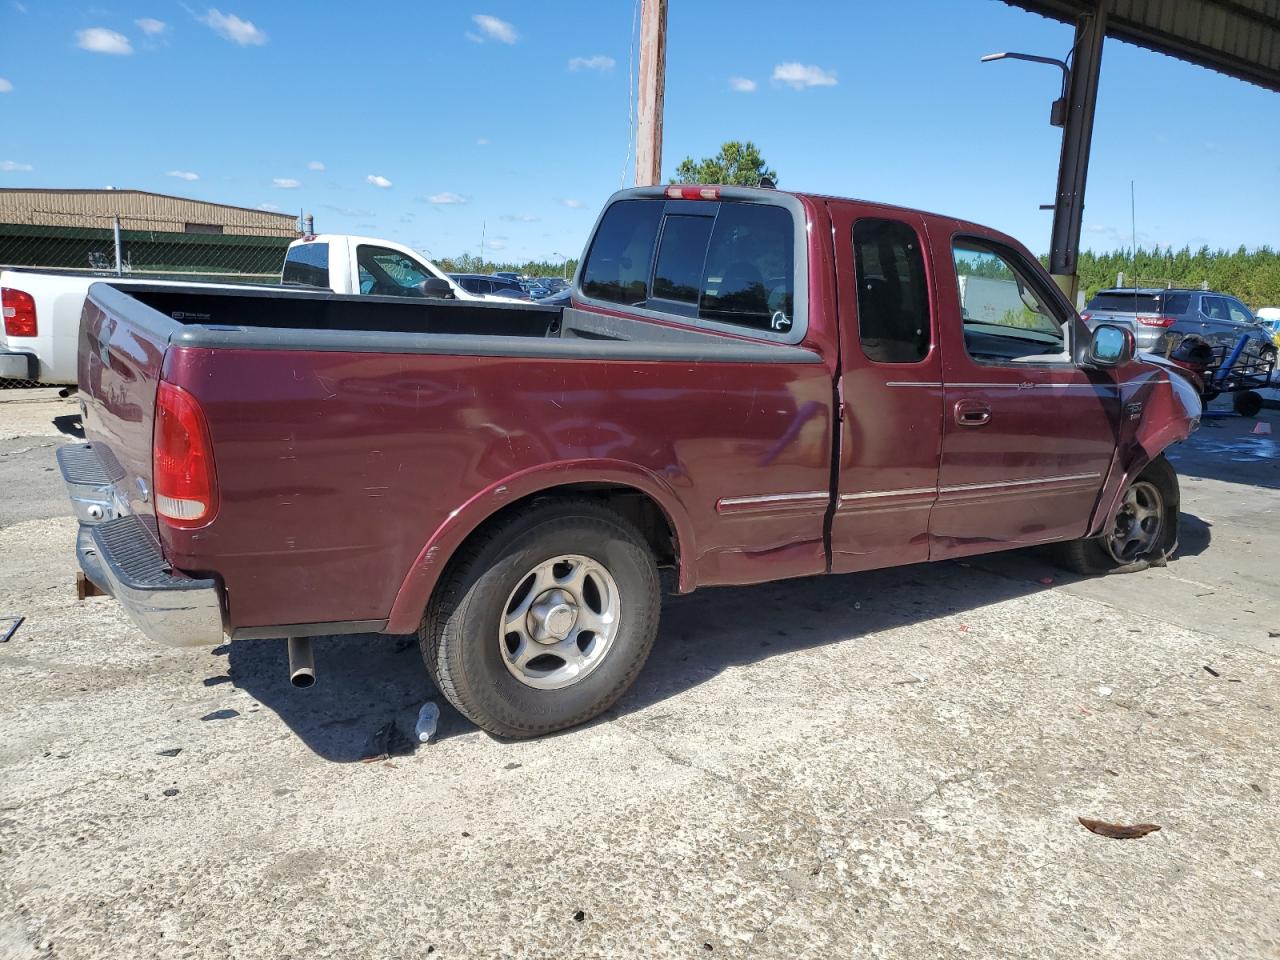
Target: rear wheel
(1144, 530)
(544, 620)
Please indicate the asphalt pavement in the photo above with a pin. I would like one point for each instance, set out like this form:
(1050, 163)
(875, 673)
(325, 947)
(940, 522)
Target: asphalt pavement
(888, 764)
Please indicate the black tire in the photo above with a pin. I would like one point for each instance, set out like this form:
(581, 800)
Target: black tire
(460, 637)
(1091, 556)
(1247, 403)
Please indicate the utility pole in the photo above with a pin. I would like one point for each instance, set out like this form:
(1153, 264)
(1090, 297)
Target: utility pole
(653, 82)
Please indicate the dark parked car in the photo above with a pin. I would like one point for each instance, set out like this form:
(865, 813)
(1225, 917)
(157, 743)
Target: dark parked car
(486, 285)
(1161, 319)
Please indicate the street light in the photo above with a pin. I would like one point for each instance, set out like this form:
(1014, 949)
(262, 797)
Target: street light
(565, 270)
(1057, 112)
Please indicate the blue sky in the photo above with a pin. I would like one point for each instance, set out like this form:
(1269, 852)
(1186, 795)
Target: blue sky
(428, 122)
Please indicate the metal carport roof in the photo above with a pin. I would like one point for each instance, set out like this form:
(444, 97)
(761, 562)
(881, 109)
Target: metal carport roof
(1240, 38)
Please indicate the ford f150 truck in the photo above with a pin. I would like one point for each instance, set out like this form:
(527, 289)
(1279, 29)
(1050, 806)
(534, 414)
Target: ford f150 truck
(747, 385)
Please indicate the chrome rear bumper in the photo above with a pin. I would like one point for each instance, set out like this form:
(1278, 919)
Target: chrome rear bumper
(120, 554)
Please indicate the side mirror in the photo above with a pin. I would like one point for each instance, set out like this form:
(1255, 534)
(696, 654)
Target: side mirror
(437, 288)
(1110, 345)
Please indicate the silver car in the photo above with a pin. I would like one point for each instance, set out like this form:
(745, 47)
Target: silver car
(1160, 319)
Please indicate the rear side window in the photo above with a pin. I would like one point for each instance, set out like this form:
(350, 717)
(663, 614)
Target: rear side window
(1177, 304)
(307, 263)
(617, 269)
(893, 297)
(726, 262)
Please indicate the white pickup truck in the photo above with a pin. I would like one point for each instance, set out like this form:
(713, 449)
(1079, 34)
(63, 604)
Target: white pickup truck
(42, 307)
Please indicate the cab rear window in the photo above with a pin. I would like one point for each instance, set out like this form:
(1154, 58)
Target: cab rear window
(725, 262)
(308, 264)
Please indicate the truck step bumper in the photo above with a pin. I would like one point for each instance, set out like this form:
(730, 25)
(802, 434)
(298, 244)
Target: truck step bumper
(15, 365)
(119, 553)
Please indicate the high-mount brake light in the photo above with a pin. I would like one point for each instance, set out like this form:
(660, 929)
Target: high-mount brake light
(676, 192)
(186, 486)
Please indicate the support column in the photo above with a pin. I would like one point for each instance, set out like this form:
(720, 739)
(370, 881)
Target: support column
(1077, 135)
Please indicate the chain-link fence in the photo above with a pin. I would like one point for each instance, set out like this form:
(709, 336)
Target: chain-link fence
(139, 246)
(244, 246)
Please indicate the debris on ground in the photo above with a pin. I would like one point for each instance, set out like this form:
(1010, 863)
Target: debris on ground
(1047, 581)
(8, 627)
(221, 715)
(1118, 831)
(428, 719)
(169, 752)
(1104, 691)
(171, 792)
(387, 742)
(1210, 671)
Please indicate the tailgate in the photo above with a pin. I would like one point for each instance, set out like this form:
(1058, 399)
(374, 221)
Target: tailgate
(122, 346)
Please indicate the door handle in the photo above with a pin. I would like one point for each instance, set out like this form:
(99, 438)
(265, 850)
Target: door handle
(972, 413)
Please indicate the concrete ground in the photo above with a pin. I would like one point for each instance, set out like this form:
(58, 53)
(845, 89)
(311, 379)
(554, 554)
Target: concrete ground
(879, 765)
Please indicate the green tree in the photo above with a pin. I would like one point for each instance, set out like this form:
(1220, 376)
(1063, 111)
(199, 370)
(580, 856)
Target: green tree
(737, 163)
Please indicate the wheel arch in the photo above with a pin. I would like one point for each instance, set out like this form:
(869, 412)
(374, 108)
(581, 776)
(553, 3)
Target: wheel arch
(635, 493)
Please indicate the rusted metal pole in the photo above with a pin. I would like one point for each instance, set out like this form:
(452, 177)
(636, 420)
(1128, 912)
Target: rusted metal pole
(653, 72)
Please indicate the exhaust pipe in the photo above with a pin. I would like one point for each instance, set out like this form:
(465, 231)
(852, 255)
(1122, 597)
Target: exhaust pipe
(302, 663)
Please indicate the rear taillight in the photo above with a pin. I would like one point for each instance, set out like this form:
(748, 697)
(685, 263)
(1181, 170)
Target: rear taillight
(19, 313)
(693, 193)
(186, 486)
(1086, 317)
(1156, 321)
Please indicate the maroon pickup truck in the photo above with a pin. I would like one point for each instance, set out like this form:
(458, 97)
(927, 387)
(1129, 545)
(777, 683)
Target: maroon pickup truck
(747, 385)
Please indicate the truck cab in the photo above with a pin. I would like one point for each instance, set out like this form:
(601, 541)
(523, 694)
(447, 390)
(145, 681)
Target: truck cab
(367, 266)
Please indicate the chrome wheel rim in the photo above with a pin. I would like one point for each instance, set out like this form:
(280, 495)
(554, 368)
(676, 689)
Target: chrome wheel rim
(559, 622)
(1139, 523)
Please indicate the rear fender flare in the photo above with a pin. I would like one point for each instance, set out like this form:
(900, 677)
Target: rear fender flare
(417, 586)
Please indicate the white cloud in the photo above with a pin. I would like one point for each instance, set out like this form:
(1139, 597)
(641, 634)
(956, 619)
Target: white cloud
(230, 27)
(5, 86)
(12, 166)
(447, 197)
(151, 26)
(20, 7)
(183, 175)
(269, 207)
(801, 75)
(378, 180)
(286, 183)
(102, 40)
(315, 165)
(742, 85)
(598, 62)
(571, 203)
(492, 28)
(493, 243)
(519, 217)
(482, 141)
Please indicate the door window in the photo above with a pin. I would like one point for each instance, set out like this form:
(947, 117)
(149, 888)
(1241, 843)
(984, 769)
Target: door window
(893, 296)
(1215, 308)
(389, 273)
(1239, 313)
(1007, 315)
